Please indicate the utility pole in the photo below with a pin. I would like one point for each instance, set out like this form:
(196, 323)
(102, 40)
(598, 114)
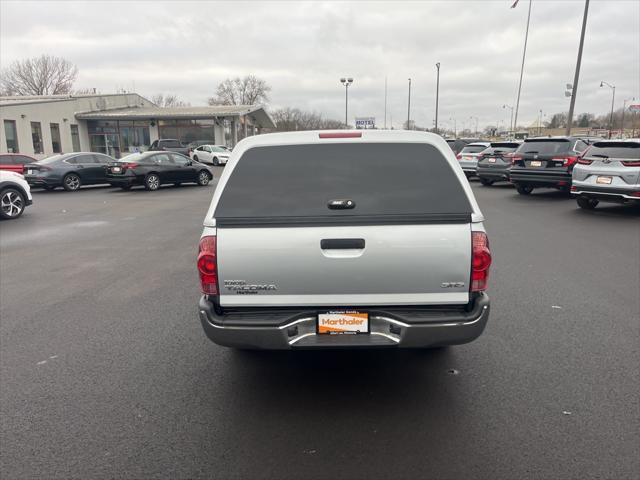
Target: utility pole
(524, 53)
(574, 90)
(385, 102)
(409, 107)
(437, 93)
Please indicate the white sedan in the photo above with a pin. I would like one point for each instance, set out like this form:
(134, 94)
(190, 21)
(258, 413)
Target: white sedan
(213, 154)
(15, 194)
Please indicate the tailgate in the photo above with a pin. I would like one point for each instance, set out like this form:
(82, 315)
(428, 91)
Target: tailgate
(360, 265)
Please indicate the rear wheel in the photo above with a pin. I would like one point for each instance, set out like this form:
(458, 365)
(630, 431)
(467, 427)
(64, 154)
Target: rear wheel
(12, 203)
(587, 203)
(203, 178)
(152, 182)
(524, 189)
(71, 182)
(195, 158)
(486, 182)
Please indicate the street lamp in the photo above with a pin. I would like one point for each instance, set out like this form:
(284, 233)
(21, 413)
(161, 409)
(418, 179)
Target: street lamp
(346, 82)
(613, 99)
(409, 107)
(511, 123)
(437, 93)
(476, 119)
(624, 107)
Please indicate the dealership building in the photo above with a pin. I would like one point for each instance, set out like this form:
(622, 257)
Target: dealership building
(117, 124)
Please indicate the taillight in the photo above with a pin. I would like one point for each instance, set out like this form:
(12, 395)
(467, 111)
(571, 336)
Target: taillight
(208, 265)
(574, 188)
(459, 156)
(632, 163)
(515, 159)
(636, 194)
(480, 261)
(340, 135)
(566, 161)
(129, 165)
(584, 161)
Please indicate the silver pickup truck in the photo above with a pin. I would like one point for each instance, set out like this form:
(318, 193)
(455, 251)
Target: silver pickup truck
(342, 240)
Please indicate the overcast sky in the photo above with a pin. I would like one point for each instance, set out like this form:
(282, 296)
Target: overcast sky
(303, 48)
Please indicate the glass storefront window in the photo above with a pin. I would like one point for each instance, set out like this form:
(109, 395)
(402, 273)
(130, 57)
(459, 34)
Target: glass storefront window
(36, 137)
(187, 130)
(11, 135)
(75, 138)
(55, 138)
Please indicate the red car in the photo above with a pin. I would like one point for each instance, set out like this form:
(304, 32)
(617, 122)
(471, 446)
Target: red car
(14, 162)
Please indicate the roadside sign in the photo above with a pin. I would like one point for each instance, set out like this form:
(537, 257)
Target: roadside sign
(634, 107)
(365, 122)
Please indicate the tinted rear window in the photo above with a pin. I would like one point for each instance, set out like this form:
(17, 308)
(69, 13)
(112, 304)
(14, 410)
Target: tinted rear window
(473, 149)
(629, 150)
(382, 179)
(545, 147)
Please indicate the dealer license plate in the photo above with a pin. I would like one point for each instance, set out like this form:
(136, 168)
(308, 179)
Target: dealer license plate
(339, 322)
(30, 171)
(492, 160)
(116, 169)
(536, 163)
(604, 180)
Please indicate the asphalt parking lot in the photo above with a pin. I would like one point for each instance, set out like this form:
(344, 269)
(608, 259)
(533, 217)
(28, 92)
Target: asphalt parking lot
(106, 371)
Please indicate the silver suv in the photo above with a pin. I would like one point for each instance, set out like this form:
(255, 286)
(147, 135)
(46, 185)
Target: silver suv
(343, 239)
(609, 171)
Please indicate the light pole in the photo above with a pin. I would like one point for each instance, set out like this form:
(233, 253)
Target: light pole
(511, 123)
(455, 127)
(613, 99)
(540, 123)
(346, 82)
(524, 53)
(409, 107)
(574, 88)
(624, 108)
(476, 119)
(437, 93)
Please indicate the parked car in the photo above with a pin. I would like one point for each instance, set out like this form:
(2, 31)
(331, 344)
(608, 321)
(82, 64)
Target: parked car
(14, 162)
(211, 154)
(458, 144)
(15, 195)
(545, 162)
(152, 169)
(169, 145)
(495, 162)
(351, 253)
(609, 171)
(468, 157)
(68, 170)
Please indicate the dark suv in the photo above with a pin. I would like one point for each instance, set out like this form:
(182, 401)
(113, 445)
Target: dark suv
(495, 162)
(545, 162)
(169, 145)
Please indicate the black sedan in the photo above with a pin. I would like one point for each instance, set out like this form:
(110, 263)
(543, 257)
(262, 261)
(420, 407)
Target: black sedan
(152, 169)
(68, 170)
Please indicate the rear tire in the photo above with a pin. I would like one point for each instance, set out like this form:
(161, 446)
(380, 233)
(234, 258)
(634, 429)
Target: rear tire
(587, 203)
(486, 182)
(12, 203)
(203, 178)
(195, 158)
(152, 182)
(71, 182)
(524, 189)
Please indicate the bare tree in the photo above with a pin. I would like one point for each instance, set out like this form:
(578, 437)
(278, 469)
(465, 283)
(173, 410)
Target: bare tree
(43, 75)
(291, 119)
(249, 90)
(168, 100)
